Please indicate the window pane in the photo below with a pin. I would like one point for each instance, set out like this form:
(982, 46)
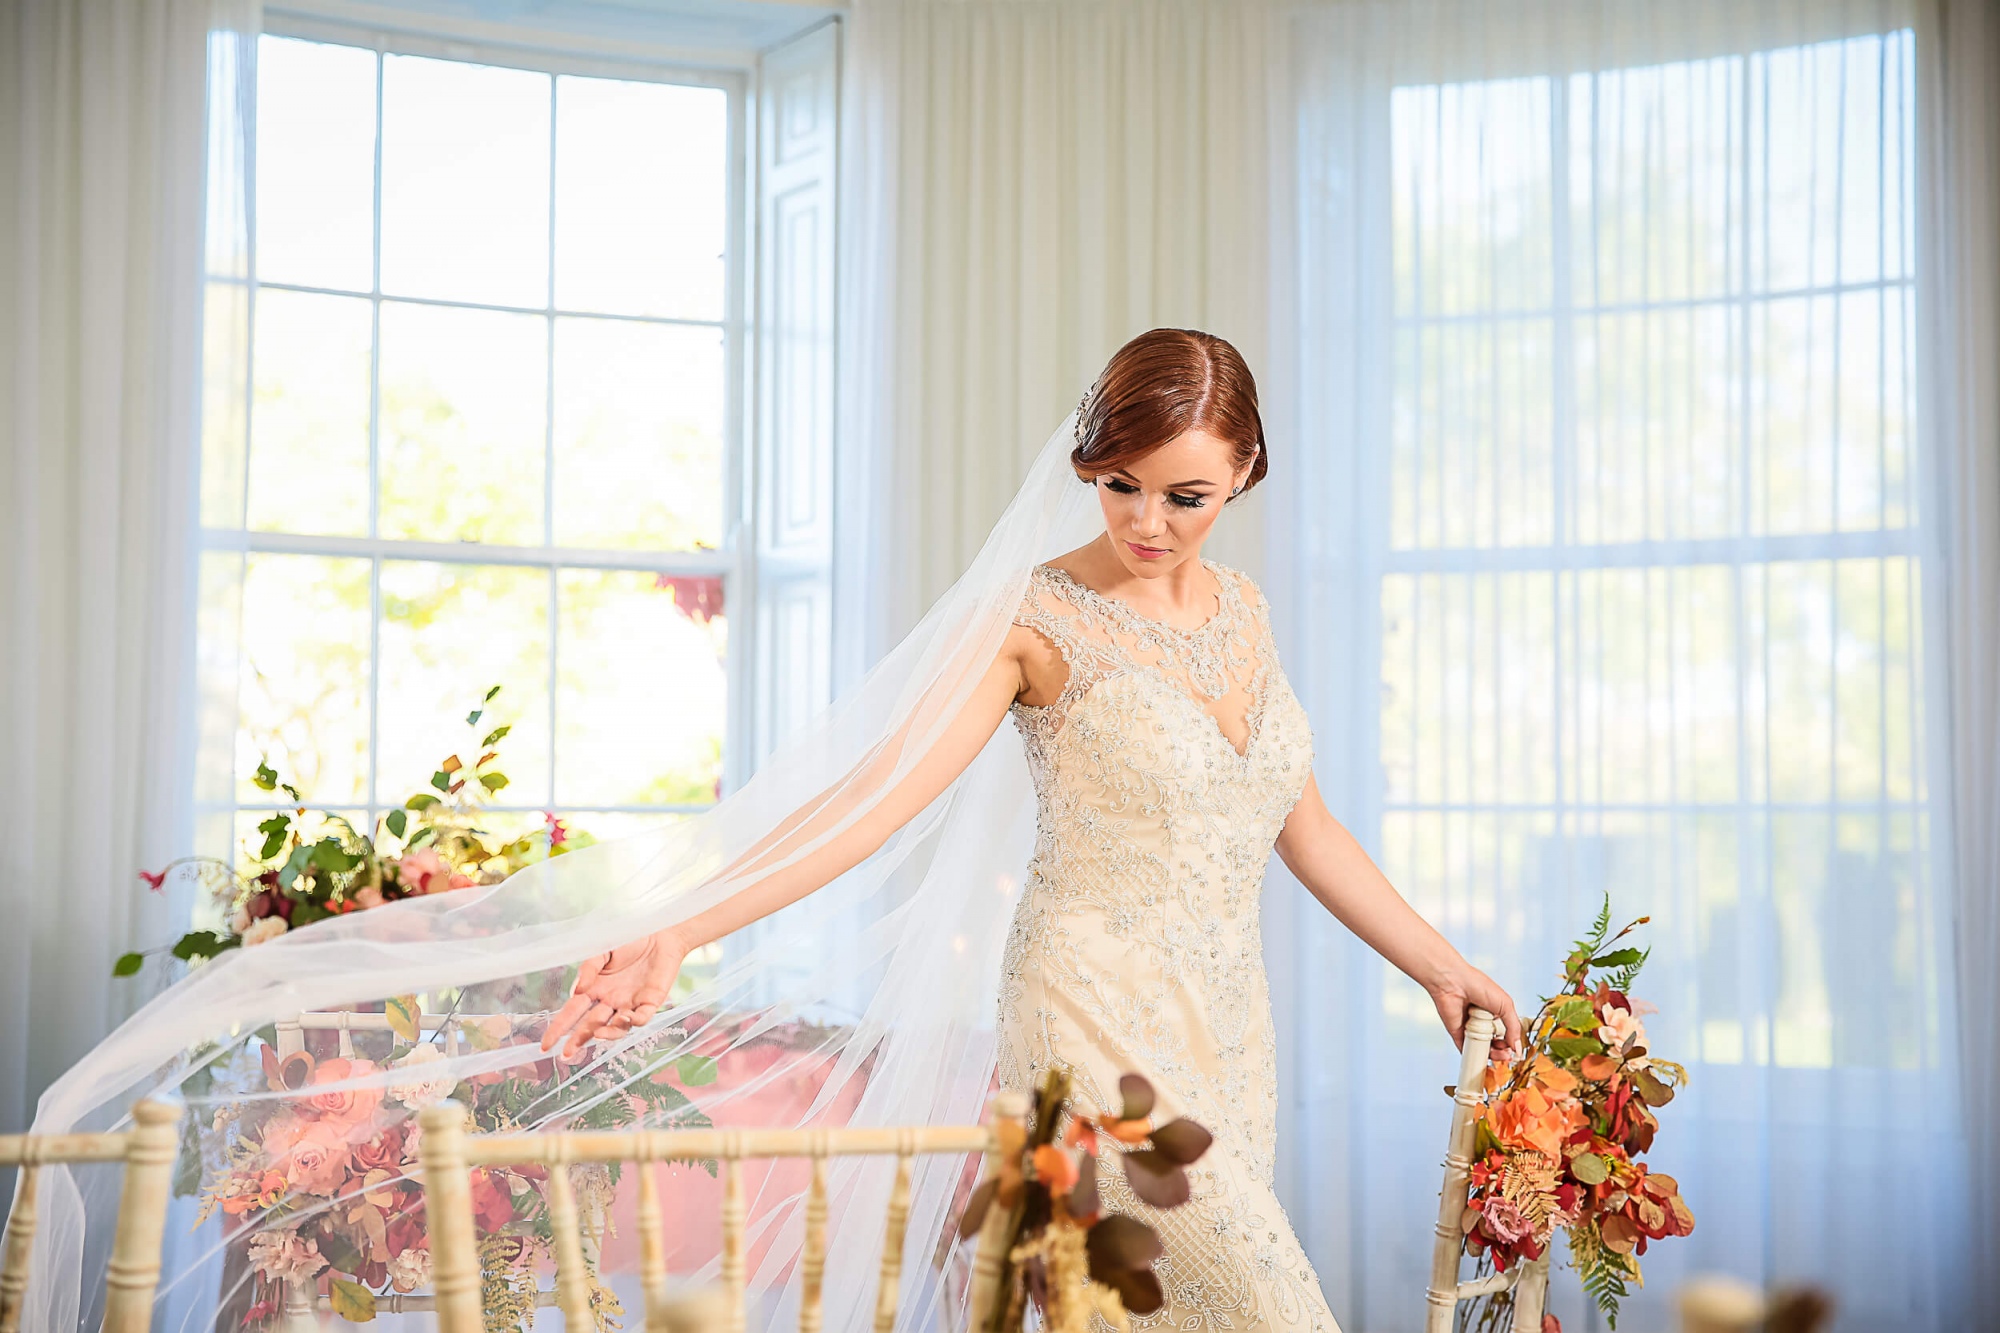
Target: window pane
(641, 197)
(463, 433)
(465, 182)
(304, 688)
(641, 697)
(315, 164)
(638, 435)
(450, 633)
(309, 418)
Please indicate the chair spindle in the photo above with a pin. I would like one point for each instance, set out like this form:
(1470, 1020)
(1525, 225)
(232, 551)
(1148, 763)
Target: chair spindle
(134, 1271)
(572, 1279)
(448, 1212)
(812, 1263)
(732, 1235)
(889, 1293)
(652, 1249)
(20, 1249)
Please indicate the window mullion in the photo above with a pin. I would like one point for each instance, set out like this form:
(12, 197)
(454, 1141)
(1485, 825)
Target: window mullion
(375, 463)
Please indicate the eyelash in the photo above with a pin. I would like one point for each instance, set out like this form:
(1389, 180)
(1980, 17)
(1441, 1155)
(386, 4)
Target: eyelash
(1180, 501)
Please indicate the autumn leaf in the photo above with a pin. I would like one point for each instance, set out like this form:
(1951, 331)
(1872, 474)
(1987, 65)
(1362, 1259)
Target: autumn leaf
(352, 1301)
(405, 1016)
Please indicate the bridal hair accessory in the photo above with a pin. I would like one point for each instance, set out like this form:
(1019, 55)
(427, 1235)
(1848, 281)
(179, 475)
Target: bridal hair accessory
(1082, 411)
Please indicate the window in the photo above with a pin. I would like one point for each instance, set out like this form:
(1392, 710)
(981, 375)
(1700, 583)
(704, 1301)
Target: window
(1650, 598)
(485, 433)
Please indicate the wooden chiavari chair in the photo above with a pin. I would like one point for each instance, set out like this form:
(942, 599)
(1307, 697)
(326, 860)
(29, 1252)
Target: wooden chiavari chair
(147, 1150)
(449, 1152)
(1529, 1282)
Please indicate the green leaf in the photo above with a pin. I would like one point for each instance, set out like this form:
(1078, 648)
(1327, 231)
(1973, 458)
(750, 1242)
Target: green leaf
(266, 777)
(295, 865)
(441, 780)
(421, 836)
(423, 800)
(352, 1301)
(333, 857)
(277, 823)
(472, 718)
(490, 693)
(128, 964)
(695, 1071)
(405, 1016)
(494, 737)
(493, 781)
(1618, 958)
(273, 844)
(397, 820)
(1576, 1014)
(1575, 1048)
(1590, 1168)
(202, 944)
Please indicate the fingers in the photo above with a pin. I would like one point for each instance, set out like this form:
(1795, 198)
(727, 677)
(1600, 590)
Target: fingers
(565, 1019)
(586, 1030)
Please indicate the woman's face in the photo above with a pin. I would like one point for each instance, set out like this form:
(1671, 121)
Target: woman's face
(1159, 510)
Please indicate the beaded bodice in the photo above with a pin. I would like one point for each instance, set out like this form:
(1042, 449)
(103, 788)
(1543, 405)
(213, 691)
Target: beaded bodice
(1163, 772)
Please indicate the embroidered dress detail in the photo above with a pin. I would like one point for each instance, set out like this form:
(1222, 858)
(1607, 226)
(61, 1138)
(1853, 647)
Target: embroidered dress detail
(1136, 943)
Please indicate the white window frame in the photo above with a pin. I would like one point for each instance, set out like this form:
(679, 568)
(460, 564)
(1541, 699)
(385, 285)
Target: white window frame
(734, 562)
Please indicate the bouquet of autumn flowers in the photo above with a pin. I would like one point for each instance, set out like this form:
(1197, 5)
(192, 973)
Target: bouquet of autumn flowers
(1560, 1135)
(1064, 1252)
(329, 1181)
(315, 864)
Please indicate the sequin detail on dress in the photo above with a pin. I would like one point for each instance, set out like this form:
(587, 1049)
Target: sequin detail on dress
(1135, 945)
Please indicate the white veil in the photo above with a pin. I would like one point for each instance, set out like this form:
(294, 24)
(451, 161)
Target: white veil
(871, 1002)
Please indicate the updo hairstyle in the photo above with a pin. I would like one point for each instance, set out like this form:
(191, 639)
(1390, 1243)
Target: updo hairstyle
(1161, 385)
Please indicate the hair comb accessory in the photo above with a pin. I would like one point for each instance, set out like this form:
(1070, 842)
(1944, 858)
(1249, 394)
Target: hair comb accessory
(1083, 410)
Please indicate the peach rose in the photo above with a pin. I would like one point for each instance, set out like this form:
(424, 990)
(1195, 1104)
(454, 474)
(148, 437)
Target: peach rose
(349, 1106)
(426, 871)
(313, 1154)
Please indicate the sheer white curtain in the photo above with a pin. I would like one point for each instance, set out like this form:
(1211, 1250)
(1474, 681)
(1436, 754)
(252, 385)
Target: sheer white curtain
(101, 151)
(1608, 570)
(1025, 186)
(1959, 293)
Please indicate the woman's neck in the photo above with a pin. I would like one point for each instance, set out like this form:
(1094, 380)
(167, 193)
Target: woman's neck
(1184, 596)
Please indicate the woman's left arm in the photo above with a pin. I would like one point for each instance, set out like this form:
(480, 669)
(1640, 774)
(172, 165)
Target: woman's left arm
(1324, 856)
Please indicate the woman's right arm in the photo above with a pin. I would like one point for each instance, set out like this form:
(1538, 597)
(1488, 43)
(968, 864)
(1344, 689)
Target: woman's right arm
(621, 990)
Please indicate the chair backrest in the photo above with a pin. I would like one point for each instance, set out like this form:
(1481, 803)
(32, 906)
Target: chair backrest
(449, 1152)
(1530, 1281)
(147, 1150)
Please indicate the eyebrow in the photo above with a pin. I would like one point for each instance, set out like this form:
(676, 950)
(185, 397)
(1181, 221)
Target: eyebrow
(1123, 475)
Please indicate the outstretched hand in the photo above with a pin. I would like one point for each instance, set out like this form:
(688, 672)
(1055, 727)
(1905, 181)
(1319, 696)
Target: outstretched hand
(1469, 987)
(616, 992)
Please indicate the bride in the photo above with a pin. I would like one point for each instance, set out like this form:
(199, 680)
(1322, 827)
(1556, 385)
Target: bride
(1169, 757)
(1161, 757)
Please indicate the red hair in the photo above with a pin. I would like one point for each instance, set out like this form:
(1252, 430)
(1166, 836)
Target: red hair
(1158, 387)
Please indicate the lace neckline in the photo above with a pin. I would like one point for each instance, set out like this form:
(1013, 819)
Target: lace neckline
(1134, 622)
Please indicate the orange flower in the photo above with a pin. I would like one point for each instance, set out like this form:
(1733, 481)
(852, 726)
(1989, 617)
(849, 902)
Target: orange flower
(1530, 1118)
(1054, 1168)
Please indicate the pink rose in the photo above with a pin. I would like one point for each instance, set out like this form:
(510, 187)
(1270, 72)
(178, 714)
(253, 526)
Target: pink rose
(380, 1151)
(1505, 1223)
(348, 1105)
(312, 1154)
(425, 871)
(368, 896)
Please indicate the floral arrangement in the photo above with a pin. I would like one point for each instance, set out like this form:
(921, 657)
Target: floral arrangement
(327, 1181)
(314, 864)
(1064, 1252)
(1562, 1129)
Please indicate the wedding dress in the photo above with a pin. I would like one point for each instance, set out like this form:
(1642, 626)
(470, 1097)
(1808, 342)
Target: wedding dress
(872, 1002)
(1135, 946)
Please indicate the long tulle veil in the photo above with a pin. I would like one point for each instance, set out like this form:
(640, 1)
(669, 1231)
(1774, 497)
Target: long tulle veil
(871, 1002)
